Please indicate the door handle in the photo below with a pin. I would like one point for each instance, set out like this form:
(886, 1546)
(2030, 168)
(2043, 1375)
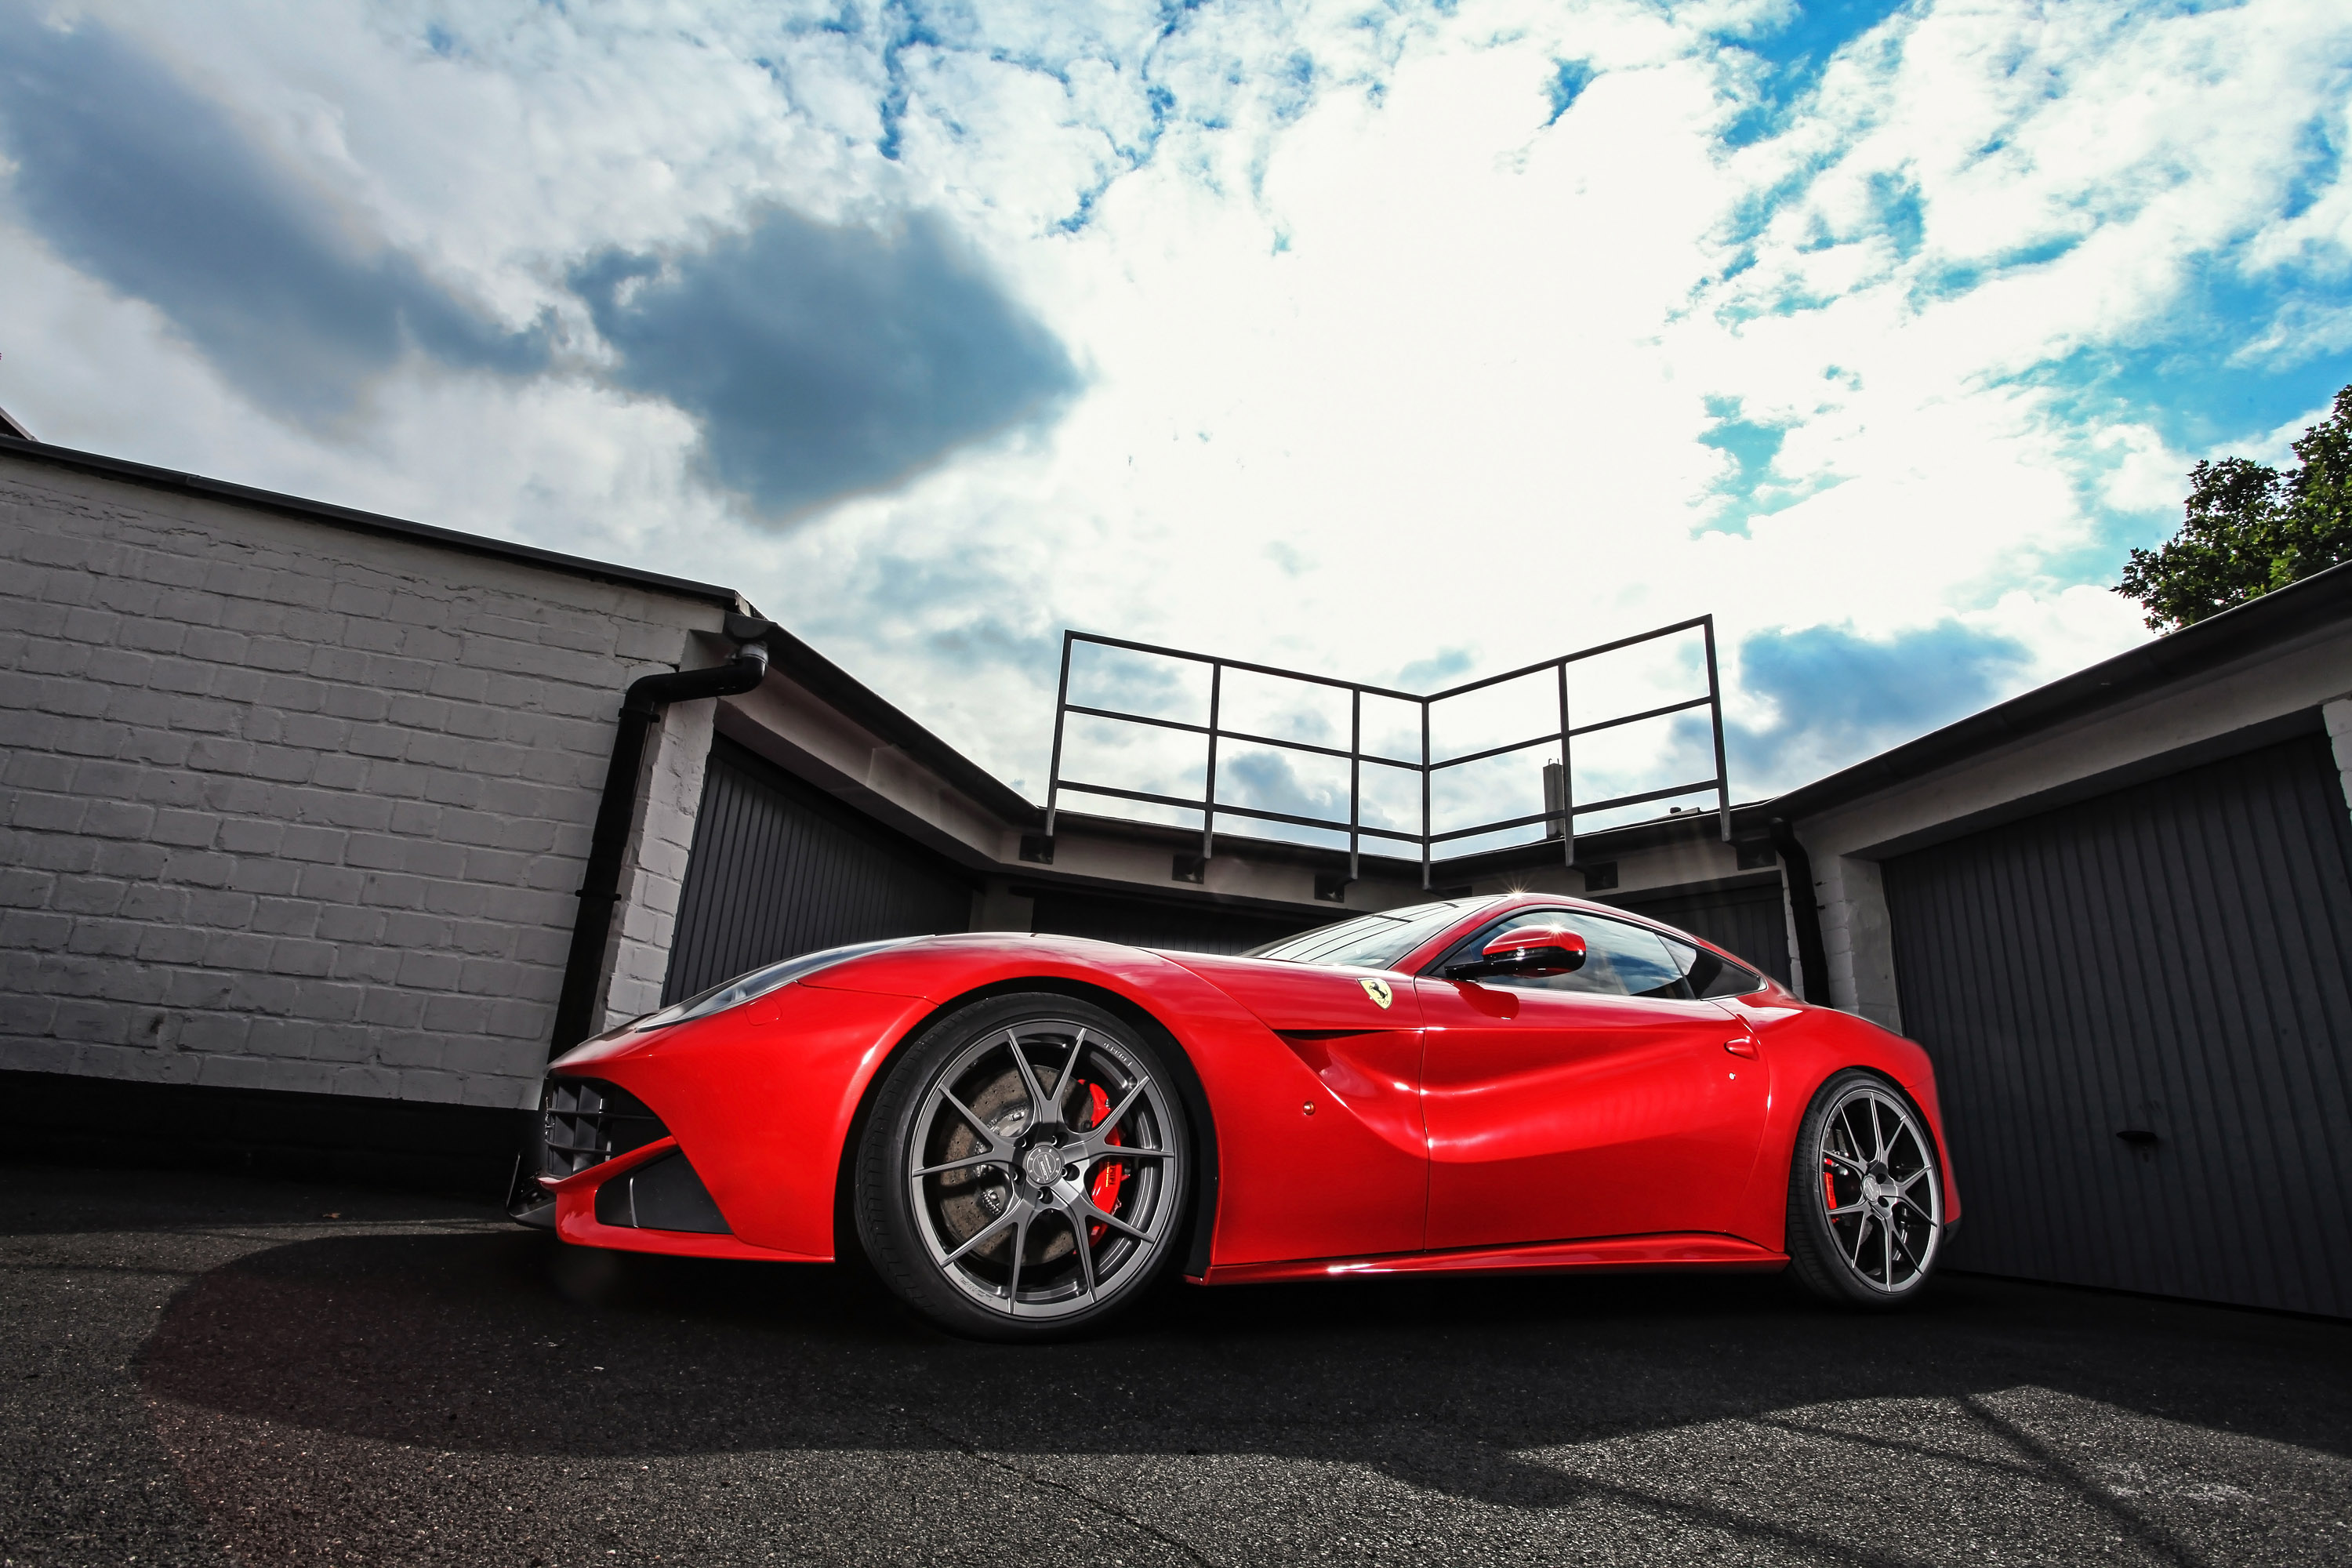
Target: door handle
(1744, 1046)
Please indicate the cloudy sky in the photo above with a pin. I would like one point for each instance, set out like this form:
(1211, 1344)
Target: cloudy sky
(1401, 342)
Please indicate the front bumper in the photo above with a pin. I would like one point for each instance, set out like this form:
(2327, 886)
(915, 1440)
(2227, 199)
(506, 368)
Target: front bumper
(760, 1100)
(611, 1174)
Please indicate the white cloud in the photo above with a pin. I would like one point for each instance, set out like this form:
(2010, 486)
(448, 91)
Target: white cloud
(1379, 362)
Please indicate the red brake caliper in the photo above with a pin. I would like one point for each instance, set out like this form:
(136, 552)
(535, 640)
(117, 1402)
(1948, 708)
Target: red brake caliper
(1104, 1191)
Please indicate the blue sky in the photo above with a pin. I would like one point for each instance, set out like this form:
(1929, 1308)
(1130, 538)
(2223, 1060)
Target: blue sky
(1401, 342)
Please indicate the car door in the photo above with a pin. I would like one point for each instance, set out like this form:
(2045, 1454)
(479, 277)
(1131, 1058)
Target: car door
(1602, 1102)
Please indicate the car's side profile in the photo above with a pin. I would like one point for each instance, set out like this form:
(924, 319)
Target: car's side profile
(1021, 1132)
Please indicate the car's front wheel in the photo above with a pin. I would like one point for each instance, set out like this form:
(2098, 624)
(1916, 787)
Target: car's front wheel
(1866, 1194)
(1024, 1169)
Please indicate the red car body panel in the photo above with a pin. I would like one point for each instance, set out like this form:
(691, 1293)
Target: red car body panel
(576, 1221)
(1561, 1114)
(761, 1100)
(1437, 1133)
(1352, 1111)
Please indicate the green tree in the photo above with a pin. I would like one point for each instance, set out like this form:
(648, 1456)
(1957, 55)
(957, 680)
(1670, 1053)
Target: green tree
(2252, 529)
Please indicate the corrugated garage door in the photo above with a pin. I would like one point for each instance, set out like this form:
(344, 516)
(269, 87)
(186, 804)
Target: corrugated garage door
(779, 869)
(2168, 959)
(1749, 922)
(1147, 923)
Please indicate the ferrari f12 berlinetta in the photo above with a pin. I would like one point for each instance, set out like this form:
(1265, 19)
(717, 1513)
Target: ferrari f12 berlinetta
(1022, 1132)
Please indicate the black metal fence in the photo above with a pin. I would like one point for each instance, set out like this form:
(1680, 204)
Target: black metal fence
(1560, 807)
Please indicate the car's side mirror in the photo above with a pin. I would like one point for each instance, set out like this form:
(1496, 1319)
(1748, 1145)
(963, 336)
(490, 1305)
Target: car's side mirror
(1528, 950)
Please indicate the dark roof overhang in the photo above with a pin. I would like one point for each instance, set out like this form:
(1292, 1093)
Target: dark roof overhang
(2272, 624)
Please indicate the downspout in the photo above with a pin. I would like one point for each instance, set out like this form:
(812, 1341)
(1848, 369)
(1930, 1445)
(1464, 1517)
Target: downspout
(600, 888)
(1806, 911)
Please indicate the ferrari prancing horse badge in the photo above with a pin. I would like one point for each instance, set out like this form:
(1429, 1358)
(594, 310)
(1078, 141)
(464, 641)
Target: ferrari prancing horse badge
(1378, 990)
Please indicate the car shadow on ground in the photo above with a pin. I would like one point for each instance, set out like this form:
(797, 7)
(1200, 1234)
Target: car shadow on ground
(506, 1343)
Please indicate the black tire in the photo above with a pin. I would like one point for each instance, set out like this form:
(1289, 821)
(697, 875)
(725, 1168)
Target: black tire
(1866, 1194)
(1027, 1218)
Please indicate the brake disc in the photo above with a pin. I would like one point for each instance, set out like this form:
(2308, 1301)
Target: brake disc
(971, 1199)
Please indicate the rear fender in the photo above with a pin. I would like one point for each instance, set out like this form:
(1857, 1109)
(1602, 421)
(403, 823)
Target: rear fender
(1803, 1046)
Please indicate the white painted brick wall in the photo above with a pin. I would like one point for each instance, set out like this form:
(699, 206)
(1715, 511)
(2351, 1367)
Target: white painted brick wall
(654, 876)
(287, 806)
(1789, 894)
(1858, 939)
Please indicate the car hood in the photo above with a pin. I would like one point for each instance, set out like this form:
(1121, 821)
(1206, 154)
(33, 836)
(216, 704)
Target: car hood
(1317, 997)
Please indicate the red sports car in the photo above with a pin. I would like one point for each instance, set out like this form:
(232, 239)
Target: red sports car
(1022, 1132)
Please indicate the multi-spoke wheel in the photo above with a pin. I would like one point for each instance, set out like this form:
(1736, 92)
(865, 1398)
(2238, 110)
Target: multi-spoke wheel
(1865, 1198)
(1024, 1168)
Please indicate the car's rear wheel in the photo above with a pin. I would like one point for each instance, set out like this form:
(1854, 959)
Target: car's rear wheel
(1866, 1194)
(1024, 1169)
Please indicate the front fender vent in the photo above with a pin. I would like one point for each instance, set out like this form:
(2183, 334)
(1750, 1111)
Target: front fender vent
(588, 1123)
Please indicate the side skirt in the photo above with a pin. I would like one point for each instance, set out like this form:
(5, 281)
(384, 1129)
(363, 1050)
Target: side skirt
(1616, 1253)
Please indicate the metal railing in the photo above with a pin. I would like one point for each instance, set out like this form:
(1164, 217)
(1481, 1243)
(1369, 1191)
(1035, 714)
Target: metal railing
(1559, 816)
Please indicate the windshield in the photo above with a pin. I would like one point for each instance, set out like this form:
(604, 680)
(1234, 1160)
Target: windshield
(1370, 941)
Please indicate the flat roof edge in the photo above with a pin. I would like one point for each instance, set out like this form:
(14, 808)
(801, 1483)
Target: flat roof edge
(1594, 844)
(2281, 615)
(361, 521)
(847, 694)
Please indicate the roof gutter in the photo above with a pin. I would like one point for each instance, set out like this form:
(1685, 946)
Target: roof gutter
(600, 888)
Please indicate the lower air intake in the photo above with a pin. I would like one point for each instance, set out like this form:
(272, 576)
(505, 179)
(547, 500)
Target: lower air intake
(588, 1123)
(660, 1194)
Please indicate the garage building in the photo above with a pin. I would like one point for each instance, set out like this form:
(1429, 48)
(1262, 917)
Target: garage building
(300, 805)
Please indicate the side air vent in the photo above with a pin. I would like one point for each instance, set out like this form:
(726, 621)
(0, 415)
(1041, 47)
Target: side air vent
(589, 1122)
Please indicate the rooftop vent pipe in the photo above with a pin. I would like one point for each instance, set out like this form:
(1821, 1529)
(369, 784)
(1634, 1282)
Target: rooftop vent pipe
(600, 888)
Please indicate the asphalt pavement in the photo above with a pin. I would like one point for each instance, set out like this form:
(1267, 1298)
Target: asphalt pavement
(206, 1370)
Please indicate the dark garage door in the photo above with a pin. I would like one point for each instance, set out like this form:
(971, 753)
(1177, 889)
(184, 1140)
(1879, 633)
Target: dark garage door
(2168, 959)
(1147, 922)
(1749, 922)
(780, 868)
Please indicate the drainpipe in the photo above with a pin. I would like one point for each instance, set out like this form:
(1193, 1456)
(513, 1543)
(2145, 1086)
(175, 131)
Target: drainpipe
(1807, 911)
(599, 888)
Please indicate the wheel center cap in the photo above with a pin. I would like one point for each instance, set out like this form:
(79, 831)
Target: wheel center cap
(1042, 1164)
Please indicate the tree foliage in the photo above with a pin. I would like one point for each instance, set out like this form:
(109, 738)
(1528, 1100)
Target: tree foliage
(2252, 529)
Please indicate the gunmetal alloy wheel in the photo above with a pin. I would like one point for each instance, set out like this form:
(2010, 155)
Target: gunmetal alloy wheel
(1865, 1195)
(1024, 1169)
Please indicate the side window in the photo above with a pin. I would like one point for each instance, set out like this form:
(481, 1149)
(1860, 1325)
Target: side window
(1709, 975)
(1621, 960)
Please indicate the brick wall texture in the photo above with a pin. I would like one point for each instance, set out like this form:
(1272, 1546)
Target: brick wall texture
(290, 806)
(1858, 939)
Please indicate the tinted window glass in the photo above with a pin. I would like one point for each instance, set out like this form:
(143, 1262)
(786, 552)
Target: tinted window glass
(1712, 976)
(1620, 959)
(1370, 942)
